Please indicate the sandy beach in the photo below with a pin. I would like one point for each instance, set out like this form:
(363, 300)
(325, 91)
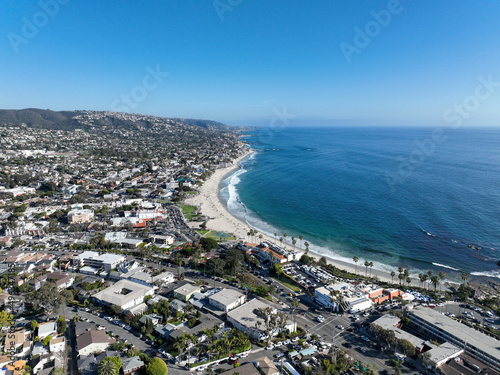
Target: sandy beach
(221, 220)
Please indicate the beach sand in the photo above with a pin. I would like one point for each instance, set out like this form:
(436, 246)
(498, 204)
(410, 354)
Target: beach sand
(221, 220)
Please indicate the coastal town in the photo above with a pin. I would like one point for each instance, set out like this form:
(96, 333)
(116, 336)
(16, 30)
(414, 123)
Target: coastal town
(117, 257)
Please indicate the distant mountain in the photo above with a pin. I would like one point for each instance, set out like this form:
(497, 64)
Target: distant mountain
(71, 120)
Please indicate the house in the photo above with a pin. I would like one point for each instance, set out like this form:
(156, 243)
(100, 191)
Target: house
(87, 365)
(266, 366)
(246, 369)
(93, 341)
(185, 292)
(132, 366)
(227, 299)
(47, 363)
(57, 345)
(155, 319)
(47, 329)
(124, 293)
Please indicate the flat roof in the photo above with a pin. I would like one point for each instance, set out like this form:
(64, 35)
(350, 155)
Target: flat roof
(462, 332)
(443, 352)
(113, 295)
(187, 289)
(109, 258)
(226, 297)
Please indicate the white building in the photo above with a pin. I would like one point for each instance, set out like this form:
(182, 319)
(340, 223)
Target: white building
(124, 293)
(245, 318)
(57, 345)
(47, 329)
(227, 299)
(80, 215)
(92, 342)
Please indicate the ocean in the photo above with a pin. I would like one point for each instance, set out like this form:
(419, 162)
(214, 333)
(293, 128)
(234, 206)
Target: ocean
(420, 198)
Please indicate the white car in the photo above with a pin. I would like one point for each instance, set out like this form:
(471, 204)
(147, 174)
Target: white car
(243, 355)
(295, 339)
(341, 327)
(270, 347)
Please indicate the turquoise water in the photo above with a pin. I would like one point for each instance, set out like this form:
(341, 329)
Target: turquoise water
(419, 198)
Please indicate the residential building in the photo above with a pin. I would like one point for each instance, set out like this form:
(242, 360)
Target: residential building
(132, 366)
(227, 299)
(123, 293)
(92, 342)
(185, 292)
(47, 329)
(80, 215)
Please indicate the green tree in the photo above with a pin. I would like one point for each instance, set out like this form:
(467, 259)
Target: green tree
(156, 366)
(48, 298)
(356, 260)
(392, 276)
(106, 368)
(116, 361)
(5, 318)
(208, 243)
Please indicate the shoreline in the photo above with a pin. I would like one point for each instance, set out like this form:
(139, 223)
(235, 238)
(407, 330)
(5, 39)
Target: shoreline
(220, 219)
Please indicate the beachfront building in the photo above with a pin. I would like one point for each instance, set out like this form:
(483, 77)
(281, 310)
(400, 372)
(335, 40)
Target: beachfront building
(124, 293)
(246, 317)
(475, 343)
(325, 299)
(343, 297)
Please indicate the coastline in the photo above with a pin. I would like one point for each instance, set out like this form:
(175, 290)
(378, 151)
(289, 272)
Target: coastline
(210, 205)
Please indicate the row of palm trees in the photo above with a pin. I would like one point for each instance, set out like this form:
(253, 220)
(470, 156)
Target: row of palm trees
(252, 233)
(404, 275)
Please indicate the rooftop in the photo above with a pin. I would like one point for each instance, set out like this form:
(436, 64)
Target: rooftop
(466, 334)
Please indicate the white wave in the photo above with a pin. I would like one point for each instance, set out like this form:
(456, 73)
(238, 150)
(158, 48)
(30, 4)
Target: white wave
(487, 274)
(445, 266)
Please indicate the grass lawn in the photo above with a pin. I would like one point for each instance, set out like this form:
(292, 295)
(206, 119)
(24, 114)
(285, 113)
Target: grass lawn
(202, 232)
(288, 283)
(186, 209)
(220, 236)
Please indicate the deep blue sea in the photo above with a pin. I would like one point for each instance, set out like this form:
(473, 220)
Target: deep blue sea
(422, 198)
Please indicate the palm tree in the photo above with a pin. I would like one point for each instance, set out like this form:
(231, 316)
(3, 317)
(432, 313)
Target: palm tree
(371, 266)
(430, 273)
(301, 238)
(392, 276)
(424, 279)
(442, 275)
(421, 278)
(295, 306)
(435, 281)
(107, 368)
(367, 264)
(281, 241)
(294, 241)
(465, 277)
(401, 277)
(408, 281)
(285, 235)
(356, 259)
(306, 244)
(400, 269)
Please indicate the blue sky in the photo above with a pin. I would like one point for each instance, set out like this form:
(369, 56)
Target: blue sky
(241, 63)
